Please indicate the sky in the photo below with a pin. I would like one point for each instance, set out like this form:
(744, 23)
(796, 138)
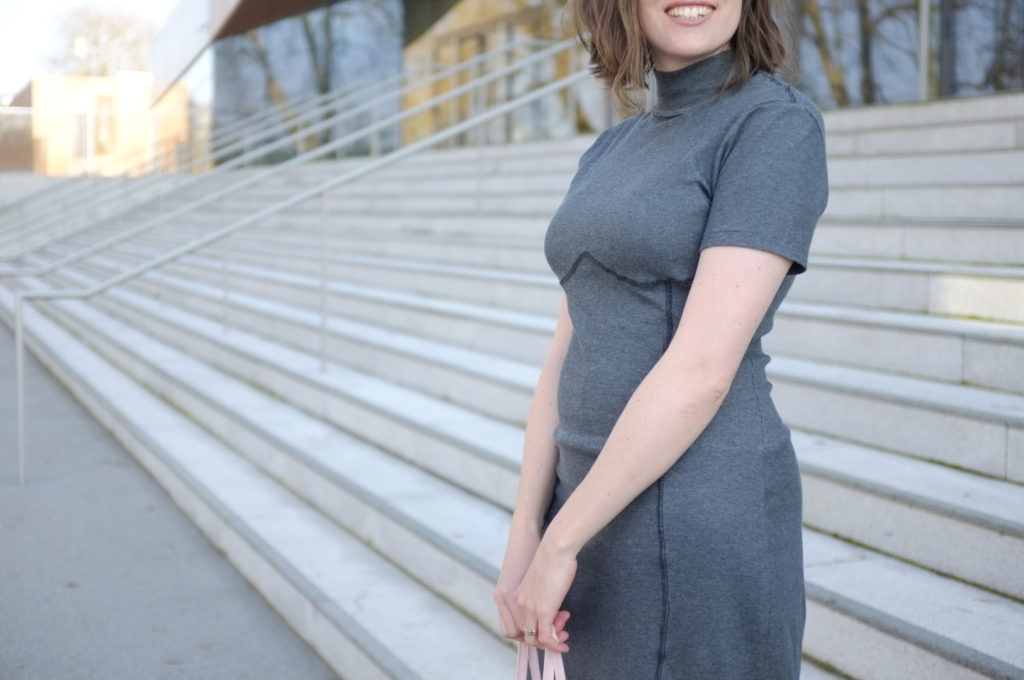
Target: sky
(28, 32)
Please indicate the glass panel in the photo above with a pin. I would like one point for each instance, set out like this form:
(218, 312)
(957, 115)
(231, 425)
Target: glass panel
(866, 52)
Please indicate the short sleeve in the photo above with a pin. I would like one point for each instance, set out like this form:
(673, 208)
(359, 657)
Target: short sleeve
(771, 183)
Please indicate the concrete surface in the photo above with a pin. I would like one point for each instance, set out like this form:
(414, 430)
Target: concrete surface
(101, 576)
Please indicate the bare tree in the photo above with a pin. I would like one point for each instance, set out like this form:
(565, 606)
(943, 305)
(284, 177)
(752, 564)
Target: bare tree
(1006, 69)
(310, 53)
(866, 28)
(99, 42)
(828, 52)
(852, 37)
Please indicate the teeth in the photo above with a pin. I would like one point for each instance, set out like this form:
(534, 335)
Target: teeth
(689, 11)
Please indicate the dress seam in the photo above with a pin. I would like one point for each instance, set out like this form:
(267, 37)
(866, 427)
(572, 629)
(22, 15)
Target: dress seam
(760, 409)
(663, 642)
(668, 316)
(587, 255)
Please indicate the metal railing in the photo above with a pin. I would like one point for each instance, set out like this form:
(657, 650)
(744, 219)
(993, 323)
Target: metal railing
(329, 111)
(240, 136)
(210, 197)
(566, 83)
(233, 138)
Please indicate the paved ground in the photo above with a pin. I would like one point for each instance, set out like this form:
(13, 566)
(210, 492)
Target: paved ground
(101, 576)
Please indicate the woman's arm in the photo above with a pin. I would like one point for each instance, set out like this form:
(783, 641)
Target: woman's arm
(732, 289)
(536, 478)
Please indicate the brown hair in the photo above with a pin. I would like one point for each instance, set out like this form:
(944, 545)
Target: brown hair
(620, 56)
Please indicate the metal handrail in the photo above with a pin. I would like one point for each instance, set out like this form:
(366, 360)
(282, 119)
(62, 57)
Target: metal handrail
(322, 150)
(223, 144)
(226, 133)
(257, 118)
(280, 143)
(283, 142)
(319, 190)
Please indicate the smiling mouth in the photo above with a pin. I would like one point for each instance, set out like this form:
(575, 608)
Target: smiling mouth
(689, 12)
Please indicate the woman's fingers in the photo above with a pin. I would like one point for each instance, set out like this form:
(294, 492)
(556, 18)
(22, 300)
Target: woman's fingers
(548, 637)
(561, 618)
(509, 626)
(561, 635)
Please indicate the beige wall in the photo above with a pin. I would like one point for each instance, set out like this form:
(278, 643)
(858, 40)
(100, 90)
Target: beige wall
(102, 125)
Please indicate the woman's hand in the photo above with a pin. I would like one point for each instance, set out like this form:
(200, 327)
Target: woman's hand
(540, 595)
(522, 546)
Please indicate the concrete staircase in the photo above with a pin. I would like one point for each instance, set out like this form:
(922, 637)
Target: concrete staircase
(359, 468)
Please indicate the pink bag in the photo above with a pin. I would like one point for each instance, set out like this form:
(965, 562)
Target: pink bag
(529, 661)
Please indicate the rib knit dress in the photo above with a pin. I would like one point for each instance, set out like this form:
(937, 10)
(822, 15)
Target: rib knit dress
(701, 577)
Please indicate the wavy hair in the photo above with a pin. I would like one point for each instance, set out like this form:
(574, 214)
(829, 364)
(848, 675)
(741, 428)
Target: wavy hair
(620, 56)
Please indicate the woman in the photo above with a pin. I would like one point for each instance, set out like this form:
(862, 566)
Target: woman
(659, 499)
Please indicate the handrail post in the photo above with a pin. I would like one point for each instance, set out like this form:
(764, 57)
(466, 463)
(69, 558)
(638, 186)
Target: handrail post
(375, 138)
(224, 271)
(321, 190)
(323, 281)
(19, 381)
(924, 24)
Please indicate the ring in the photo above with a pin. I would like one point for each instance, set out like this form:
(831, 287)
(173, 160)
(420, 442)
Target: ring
(529, 631)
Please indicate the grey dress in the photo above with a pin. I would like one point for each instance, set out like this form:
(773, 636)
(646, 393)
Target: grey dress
(701, 577)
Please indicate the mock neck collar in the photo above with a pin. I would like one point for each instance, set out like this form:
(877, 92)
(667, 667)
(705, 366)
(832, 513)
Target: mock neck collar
(694, 85)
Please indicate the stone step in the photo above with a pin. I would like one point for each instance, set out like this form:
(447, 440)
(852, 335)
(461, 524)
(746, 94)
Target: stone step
(495, 386)
(961, 351)
(458, 444)
(514, 159)
(541, 181)
(914, 168)
(949, 350)
(812, 671)
(936, 348)
(992, 293)
(346, 207)
(520, 291)
(908, 507)
(965, 427)
(963, 242)
(956, 425)
(918, 115)
(445, 223)
(980, 292)
(978, 352)
(938, 240)
(930, 626)
(969, 203)
(369, 619)
(918, 169)
(915, 510)
(507, 333)
(986, 531)
(498, 249)
(518, 243)
(203, 382)
(873, 617)
(950, 288)
(985, 135)
(450, 540)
